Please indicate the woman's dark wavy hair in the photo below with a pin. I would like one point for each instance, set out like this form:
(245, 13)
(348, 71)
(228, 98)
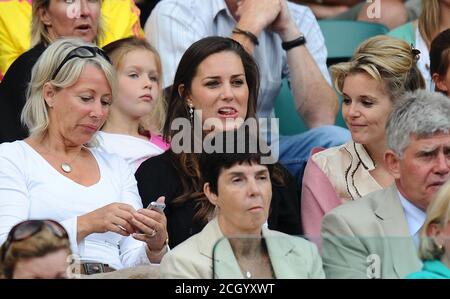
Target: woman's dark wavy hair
(187, 164)
(440, 54)
(229, 150)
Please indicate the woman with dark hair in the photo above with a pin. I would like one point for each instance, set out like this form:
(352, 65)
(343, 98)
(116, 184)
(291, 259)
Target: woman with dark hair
(235, 243)
(219, 78)
(440, 62)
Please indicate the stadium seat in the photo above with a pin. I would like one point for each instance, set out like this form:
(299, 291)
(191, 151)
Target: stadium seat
(342, 37)
(285, 110)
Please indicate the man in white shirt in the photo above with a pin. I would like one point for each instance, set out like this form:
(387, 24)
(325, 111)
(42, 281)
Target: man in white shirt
(373, 237)
(285, 40)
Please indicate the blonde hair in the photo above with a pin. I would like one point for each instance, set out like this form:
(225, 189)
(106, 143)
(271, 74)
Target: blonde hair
(117, 51)
(429, 20)
(38, 245)
(35, 112)
(438, 212)
(39, 32)
(388, 60)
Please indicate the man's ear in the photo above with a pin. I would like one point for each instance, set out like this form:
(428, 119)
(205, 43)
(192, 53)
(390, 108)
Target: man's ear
(44, 17)
(210, 195)
(49, 94)
(439, 83)
(392, 163)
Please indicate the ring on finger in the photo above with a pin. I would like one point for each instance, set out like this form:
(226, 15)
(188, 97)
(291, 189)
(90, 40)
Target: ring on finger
(153, 233)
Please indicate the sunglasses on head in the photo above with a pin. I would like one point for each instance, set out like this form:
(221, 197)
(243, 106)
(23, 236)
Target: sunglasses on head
(81, 52)
(29, 228)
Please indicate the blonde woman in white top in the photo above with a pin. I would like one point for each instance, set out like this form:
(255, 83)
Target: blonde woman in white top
(57, 173)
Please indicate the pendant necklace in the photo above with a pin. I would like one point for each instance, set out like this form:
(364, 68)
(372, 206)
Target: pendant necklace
(66, 167)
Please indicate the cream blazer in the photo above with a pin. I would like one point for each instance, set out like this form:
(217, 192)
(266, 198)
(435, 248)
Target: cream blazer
(348, 168)
(200, 257)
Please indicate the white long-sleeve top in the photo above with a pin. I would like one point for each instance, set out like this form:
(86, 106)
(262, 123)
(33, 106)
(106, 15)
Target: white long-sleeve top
(30, 188)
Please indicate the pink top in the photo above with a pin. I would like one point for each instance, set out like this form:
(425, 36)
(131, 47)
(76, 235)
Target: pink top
(332, 177)
(318, 197)
(159, 142)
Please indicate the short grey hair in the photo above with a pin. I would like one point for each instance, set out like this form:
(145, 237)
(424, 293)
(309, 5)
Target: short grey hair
(422, 113)
(35, 111)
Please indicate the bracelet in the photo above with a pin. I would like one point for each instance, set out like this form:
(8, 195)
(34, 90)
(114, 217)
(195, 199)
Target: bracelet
(248, 34)
(300, 41)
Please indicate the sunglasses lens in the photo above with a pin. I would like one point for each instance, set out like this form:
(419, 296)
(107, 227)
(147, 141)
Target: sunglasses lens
(26, 229)
(57, 229)
(82, 52)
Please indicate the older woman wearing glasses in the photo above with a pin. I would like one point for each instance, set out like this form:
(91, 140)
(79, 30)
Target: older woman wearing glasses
(35, 249)
(58, 173)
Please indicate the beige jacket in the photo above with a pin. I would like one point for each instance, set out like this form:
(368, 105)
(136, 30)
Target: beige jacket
(291, 257)
(369, 238)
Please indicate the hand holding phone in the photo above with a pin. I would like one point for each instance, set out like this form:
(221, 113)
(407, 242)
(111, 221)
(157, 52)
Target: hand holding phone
(157, 206)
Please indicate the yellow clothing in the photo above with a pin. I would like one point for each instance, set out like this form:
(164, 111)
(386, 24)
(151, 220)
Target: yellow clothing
(121, 19)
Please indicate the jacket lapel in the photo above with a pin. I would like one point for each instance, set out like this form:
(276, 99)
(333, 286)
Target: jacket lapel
(223, 261)
(393, 220)
(284, 262)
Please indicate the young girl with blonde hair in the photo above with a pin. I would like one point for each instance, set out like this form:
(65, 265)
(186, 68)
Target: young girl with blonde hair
(138, 110)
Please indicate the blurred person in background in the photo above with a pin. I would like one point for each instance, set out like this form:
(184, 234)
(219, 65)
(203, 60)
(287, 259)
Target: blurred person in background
(434, 18)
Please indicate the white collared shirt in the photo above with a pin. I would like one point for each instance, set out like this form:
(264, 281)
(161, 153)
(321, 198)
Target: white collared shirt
(415, 218)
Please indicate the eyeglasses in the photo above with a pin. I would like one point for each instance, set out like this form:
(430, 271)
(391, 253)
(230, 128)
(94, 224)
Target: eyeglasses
(81, 52)
(29, 228)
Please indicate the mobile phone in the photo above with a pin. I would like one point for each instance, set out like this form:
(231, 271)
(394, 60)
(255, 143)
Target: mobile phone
(157, 206)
